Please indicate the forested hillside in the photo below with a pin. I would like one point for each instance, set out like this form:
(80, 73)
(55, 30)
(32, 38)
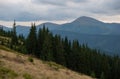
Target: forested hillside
(48, 47)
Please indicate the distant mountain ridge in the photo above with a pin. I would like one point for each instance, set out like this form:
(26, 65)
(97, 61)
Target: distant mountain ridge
(97, 34)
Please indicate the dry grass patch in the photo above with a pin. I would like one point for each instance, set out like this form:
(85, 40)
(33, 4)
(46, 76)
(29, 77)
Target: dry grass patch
(39, 70)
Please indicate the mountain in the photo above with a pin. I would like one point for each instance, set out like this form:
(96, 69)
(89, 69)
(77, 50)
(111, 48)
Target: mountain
(97, 34)
(14, 65)
(22, 30)
(86, 20)
(106, 43)
(87, 25)
(51, 26)
(25, 29)
(5, 28)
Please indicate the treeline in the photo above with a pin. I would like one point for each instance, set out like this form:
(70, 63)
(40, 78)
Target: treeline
(10, 39)
(48, 47)
(4, 33)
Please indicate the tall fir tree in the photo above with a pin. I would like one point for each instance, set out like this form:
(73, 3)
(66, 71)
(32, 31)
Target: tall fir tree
(59, 51)
(46, 43)
(14, 39)
(67, 50)
(31, 42)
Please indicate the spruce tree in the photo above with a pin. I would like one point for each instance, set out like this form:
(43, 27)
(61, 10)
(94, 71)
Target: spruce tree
(1, 30)
(14, 39)
(59, 54)
(46, 43)
(67, 50)
(31, 42)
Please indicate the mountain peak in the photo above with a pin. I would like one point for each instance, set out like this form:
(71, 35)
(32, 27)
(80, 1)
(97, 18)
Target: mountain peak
(85, 19)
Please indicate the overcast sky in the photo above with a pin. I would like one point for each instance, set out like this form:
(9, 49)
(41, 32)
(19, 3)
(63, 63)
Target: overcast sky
(59, 10)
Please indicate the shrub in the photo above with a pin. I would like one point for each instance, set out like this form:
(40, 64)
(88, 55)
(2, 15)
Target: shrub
(27, 76)
(55, 66)
(30, 59)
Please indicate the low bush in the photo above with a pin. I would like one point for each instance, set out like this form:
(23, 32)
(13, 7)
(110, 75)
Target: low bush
(27, 76)
(30, 59)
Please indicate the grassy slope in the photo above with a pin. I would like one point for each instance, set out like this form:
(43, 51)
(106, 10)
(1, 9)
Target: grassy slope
(14, 65)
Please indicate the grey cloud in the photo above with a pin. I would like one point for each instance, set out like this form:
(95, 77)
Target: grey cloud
(57, 2)
(52, 2)
(79, 0)
(58, 9)
(113, 4)
(9, 12)
(105, 7)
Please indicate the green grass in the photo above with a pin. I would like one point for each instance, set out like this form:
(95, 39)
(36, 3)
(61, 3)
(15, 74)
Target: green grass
(27, 76)
(55, 66)
(6, 73)
(5, 48)
(9, 50)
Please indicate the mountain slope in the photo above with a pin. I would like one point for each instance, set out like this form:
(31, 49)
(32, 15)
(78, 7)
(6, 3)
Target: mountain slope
(21, 68)
(108, 44)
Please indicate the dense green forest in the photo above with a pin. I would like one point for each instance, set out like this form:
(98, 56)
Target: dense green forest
(71, 54)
